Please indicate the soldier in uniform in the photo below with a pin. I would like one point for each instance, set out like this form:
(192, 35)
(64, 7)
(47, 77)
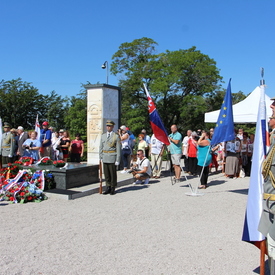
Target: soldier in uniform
(109, 153)
(7, 145)
(266, 224)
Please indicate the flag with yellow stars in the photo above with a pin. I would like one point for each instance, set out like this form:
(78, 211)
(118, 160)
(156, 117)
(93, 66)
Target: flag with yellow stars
(224, 128)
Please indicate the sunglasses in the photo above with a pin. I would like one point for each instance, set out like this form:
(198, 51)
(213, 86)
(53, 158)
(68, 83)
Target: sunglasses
(138, 154)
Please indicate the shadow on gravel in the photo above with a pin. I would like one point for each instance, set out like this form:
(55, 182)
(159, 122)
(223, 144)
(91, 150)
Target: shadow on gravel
(267, 272)
(132, 188)
(216, 182)
(240, 191)
(4, 204)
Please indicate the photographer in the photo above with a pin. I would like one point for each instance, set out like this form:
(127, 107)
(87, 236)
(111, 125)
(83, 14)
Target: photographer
(32, 146)
(142, 170)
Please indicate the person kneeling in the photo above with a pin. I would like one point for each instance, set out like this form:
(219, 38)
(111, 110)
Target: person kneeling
(142, 169)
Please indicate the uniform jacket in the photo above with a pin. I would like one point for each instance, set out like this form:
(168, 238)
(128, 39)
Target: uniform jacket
(266, 224)
(8, 143)
(110, 150)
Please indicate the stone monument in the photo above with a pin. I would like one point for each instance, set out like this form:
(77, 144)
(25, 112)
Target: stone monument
(103, 103)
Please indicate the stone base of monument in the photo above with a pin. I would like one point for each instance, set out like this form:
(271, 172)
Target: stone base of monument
(88, 189)
(75, 174)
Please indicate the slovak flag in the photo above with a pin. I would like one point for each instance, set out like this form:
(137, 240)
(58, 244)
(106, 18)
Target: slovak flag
(37, 128)
(155, 120)
(254, 206)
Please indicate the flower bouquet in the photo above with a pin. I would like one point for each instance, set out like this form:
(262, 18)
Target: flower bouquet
(26, 161)
(59, 163)
(10, 171)
(45, 161)
(27, 186)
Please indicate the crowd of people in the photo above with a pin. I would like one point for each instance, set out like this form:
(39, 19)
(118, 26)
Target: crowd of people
(233, 157)
(57, 145)
(144, 154)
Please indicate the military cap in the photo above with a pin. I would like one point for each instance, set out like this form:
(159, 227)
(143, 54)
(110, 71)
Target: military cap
(273, 98)
(7, 125)
(110, 123)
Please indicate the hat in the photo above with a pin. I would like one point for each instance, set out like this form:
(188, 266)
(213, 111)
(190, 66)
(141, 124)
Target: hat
(20, 128)
(45, 123)
(7, 125)
(273, 98)
(123, 127)
(110, 123)
(61, 131)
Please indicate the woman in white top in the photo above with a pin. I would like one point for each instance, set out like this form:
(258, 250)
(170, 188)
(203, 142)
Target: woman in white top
(55, 146)
(126, 150)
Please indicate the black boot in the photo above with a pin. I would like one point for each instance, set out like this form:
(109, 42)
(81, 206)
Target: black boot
(107, 191)
(112, 191)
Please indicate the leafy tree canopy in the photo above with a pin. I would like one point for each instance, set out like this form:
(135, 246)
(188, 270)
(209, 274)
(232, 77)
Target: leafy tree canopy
(179, 82)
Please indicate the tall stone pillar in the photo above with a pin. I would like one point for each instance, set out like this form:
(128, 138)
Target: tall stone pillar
(103, 103)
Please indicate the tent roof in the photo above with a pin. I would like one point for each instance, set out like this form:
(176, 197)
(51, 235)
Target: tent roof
(245, 111)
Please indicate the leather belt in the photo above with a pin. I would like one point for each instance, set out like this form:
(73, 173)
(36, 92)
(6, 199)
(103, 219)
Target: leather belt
(109, 151)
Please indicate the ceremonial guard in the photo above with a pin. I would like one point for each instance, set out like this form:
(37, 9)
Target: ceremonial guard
(267, 225)
(109, 153)
(7, 145)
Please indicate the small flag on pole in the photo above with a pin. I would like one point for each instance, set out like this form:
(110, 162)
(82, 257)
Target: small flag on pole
(255, 193)
(37, 128)
(155, 120)
(224, 129)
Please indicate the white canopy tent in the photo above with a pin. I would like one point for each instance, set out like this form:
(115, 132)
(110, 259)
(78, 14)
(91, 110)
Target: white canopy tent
(245, 111)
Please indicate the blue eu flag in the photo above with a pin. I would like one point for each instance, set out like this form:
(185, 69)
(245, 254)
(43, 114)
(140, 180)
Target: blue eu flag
(224, 129)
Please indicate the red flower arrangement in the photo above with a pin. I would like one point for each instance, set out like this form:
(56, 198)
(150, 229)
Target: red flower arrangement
(26, 161)
(10, 171)
(59, 163)
(45, 161)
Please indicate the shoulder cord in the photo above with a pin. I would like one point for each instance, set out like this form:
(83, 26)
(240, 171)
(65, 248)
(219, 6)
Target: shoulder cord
(266, 167)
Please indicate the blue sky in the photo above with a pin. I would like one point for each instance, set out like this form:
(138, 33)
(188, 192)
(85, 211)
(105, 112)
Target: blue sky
(57, 45)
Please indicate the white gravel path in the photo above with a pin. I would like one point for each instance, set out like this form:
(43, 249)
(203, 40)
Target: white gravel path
(154, 229)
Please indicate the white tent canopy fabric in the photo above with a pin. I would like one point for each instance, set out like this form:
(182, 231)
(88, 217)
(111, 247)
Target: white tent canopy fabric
(245, 111)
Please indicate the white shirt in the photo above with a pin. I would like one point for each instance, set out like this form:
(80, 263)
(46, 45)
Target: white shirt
(156, 145)
(144, 163)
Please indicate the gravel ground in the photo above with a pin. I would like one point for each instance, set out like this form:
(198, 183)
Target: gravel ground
(153, 229)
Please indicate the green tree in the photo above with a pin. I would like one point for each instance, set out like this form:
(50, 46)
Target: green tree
(56, 110)
(178, 82)
(20, 102)
(76, 118)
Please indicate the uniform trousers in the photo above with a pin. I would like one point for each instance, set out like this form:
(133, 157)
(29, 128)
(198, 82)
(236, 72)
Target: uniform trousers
(110, 174)
(6, 160)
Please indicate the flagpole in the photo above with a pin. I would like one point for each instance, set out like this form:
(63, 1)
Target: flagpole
(195, 192)
(262, 257)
